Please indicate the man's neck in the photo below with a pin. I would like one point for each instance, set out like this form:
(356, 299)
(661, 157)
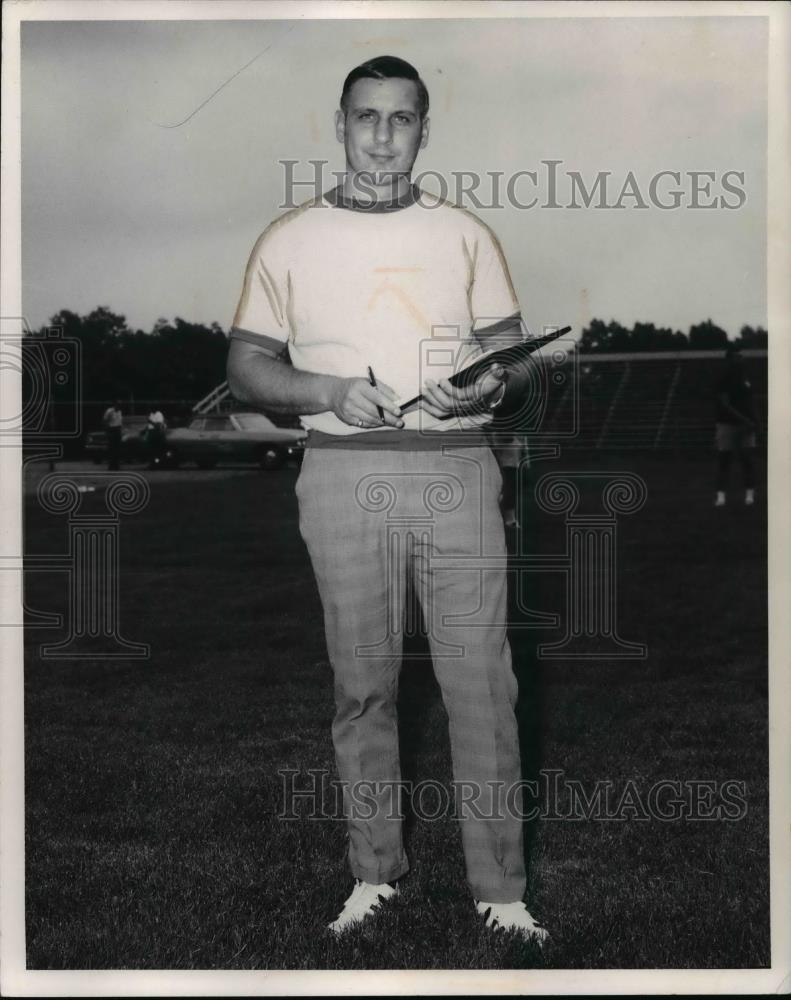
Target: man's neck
(362, 189)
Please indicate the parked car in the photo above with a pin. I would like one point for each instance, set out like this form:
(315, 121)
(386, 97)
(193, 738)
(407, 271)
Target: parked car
(234, 437)
(133, 443)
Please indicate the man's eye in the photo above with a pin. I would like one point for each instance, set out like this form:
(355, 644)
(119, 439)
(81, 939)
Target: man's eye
(365, 116)
(402, 120)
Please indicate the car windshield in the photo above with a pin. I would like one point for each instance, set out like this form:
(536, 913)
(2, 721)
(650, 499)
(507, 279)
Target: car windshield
(254, 422)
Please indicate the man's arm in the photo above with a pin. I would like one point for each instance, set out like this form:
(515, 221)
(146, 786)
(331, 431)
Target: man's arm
(257, 378)
(725, 402)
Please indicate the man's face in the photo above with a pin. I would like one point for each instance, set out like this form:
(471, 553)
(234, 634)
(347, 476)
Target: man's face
(381, 130)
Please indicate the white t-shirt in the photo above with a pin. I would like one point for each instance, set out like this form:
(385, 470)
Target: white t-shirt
(411, 292)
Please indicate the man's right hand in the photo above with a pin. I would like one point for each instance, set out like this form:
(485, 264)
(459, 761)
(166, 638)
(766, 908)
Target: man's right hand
(355, 402)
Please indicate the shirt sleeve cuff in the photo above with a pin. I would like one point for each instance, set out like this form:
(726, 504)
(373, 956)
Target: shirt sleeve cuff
(503, 333)
(269, 345)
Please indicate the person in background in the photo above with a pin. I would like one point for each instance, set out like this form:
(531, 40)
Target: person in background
(156, 432)
(156, 419)
(113, 421)
(736, 426)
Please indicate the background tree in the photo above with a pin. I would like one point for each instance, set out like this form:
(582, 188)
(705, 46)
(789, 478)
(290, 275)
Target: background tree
(753, 337)
(599, 337)
(707, 337)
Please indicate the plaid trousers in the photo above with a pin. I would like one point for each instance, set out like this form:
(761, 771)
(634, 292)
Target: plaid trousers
(361, 513)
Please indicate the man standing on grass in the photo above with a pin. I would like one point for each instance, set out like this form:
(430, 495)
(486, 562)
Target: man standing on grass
(349, 284)
(113, 421)
(736, 426)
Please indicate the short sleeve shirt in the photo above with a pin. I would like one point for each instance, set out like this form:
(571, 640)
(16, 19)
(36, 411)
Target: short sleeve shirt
(410, 292)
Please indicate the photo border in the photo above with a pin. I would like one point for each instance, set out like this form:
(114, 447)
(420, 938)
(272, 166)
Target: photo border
(15, 980)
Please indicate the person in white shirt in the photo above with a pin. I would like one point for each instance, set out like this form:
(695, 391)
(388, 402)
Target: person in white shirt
(156, 429)
(377, 275)
(113, 420)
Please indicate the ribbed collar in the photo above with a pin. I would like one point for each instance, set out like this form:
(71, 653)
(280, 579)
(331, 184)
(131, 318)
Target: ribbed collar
(337, 199)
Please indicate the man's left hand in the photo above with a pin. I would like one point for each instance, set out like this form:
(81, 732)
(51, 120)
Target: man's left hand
(443, 400)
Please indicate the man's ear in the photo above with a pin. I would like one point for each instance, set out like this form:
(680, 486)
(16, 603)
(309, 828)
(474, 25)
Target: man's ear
(340, 125)
(424, 134)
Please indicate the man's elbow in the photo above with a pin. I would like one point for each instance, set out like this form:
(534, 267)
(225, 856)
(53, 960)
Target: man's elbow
(236, 381)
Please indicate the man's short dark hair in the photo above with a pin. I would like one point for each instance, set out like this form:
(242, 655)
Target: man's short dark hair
(386, 68)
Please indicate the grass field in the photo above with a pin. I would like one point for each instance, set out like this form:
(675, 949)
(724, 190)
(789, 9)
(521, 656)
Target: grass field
(152, 787)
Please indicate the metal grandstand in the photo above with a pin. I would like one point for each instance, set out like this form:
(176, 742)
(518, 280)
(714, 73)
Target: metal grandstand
(650, 400)
(647, 400)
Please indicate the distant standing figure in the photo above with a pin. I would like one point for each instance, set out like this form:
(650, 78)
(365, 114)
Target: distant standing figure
(736, 426)
(113, 421)
(155, 434)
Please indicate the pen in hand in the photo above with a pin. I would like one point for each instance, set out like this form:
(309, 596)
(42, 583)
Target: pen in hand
(372, 380)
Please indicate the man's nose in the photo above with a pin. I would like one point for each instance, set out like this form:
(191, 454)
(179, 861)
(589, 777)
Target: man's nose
(384, 131)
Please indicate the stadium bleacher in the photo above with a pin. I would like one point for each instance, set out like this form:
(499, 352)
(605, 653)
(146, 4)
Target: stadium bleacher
(651, 400)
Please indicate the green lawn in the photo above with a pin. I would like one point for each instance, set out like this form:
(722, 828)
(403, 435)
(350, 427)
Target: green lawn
(153, 790)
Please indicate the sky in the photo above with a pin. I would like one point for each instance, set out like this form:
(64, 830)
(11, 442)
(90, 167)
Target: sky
(143, 192)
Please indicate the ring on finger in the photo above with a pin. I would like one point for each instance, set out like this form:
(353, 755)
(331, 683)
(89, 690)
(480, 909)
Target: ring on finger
(360, 422)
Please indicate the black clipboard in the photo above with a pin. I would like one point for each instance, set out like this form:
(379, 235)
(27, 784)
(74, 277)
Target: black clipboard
(505, 357)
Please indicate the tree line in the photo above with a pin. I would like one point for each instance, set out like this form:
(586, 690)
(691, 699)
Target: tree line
(180, 361)
(600, 337)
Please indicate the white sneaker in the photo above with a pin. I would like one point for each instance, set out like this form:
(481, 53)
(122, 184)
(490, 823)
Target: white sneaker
(363, 902)
(720, 501)
(512, 917)
(749, 497)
